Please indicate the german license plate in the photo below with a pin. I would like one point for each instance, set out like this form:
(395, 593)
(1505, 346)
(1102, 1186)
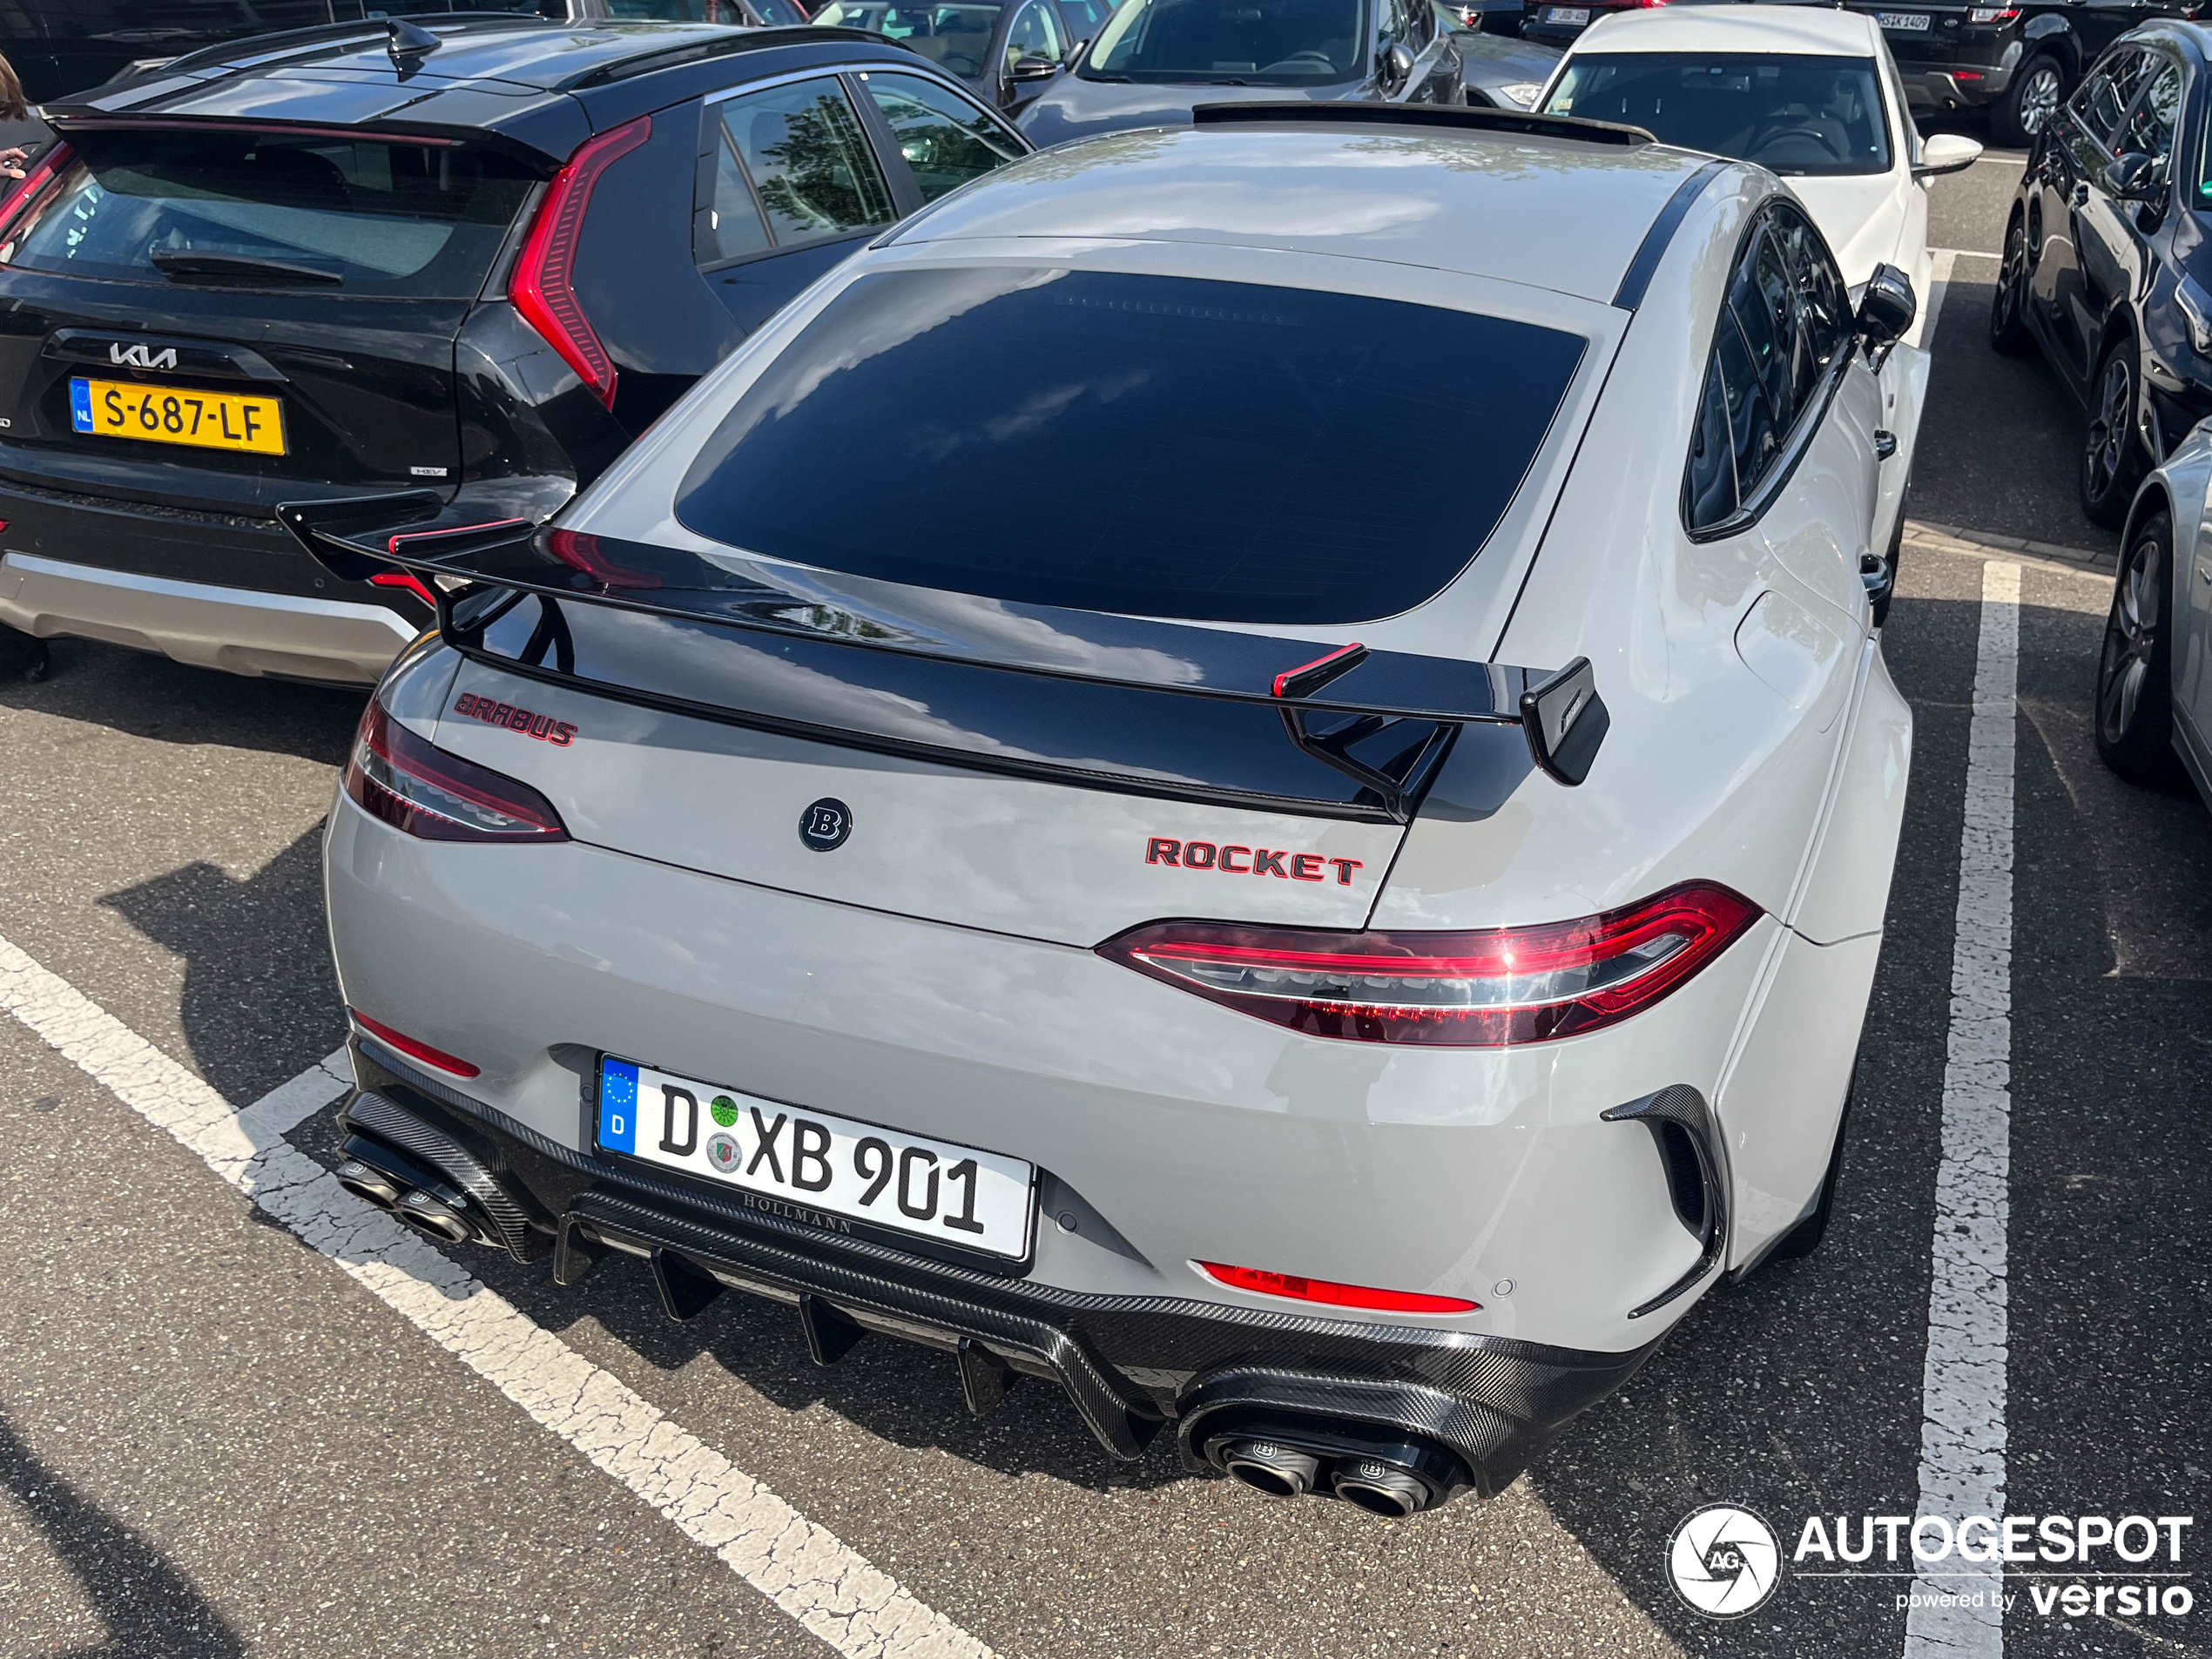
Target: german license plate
(172, 414)
(791, 1159)
(1566, 14)
(1903, 23)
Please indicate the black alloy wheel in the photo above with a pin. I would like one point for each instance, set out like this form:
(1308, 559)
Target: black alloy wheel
(2134, 670)
(2008, 305)
(2029, 103)
(2112, 461)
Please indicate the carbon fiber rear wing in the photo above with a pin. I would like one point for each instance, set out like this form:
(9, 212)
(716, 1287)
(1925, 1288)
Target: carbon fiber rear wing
(1107, 701)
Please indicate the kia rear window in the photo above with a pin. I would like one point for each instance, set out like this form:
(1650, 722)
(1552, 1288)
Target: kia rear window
(1158, 446)
(241, 209)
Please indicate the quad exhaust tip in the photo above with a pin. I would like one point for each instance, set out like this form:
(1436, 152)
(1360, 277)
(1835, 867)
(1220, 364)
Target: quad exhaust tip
(440, 1223)
(1376, 1467)
(1269, 1466)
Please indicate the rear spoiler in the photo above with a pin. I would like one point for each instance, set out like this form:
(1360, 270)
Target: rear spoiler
(1034, 689)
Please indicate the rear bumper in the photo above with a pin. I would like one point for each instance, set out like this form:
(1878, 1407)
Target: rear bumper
(1942, 89)
(235, 629)
(1131, 1365)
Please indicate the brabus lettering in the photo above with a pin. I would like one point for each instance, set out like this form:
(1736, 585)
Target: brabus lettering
(543, 727)
(1232, 859)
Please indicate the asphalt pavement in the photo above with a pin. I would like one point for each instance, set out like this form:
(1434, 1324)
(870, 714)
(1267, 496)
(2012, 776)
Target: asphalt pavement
(224, 1433)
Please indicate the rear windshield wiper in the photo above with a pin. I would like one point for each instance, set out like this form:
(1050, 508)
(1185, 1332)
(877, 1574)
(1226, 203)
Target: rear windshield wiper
(191, 262)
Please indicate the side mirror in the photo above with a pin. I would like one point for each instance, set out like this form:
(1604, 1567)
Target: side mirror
(1033, 68)
(1886, 308)
(2133, 178)
(1398, 64)
(1946, 153)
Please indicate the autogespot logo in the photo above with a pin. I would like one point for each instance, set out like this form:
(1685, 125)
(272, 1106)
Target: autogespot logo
(1724, 1560)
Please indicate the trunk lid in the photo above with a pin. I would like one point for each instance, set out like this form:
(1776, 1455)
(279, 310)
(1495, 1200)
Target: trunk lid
(314, 282)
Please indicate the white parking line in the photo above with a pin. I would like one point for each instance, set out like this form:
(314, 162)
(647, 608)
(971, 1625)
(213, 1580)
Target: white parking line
(1962, 1430)
(802, 1567)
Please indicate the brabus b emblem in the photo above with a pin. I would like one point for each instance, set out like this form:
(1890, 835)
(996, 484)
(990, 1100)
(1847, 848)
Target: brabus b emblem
(825, 823)
(138, 356)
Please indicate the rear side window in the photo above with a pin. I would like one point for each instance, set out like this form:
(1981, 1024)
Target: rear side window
(1159, 446)
(2103, 95)
(413, 221)
(792, 166)
(946, 140)
(1785, 324)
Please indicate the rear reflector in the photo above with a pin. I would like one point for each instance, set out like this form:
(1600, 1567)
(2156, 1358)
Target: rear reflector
(1490, 989)
(542, 288)
(37, 187)
(416, 786)
(410, 1047)
(1343, 1296)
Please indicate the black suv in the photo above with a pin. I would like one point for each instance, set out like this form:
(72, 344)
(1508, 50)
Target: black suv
(2107, 262)
(2017, 61)
(473, 260)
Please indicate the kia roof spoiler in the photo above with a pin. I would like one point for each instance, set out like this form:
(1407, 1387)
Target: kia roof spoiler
(1380, 722)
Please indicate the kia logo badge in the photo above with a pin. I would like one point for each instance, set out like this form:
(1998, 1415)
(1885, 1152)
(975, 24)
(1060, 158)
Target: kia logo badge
(825, 823)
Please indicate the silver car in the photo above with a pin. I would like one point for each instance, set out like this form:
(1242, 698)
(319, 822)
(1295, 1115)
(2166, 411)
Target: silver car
(1031, 815)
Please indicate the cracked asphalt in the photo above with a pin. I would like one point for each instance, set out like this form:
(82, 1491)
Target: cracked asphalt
(236, 1418)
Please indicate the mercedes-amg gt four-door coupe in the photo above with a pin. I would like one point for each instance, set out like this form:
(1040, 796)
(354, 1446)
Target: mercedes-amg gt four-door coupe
(1328, 953)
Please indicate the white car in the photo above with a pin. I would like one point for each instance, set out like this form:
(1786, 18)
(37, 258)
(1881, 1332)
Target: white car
(2155, 673)
(1029, 814)
(1808, 94)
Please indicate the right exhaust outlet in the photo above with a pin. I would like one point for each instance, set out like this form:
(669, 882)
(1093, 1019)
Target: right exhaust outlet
(1381, 1488)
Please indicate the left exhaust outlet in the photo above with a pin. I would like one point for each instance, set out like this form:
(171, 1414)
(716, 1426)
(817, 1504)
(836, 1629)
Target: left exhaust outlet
(366, 1181)
(440, 1223)
(1269, 1466)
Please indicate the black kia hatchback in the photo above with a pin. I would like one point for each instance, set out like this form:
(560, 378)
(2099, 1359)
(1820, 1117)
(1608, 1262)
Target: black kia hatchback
(473, 259)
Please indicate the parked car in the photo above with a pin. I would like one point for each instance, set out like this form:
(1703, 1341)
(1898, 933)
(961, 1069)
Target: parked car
(1501, 73)
(1810, 94)
(2154, 674)
(1281, 954)
(2017, 61)
(1483, 16)
(1157, 59)
(2106, 267)
(59, 47)
(474, 259)
(1003, 51)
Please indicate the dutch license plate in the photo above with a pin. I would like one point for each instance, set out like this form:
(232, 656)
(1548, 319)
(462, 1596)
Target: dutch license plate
(1903, 23)
(172, 414)
(1566, 14)
(811, 1161)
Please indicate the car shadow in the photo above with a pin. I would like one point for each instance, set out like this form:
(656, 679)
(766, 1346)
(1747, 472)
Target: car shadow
(260, 999)
(146, 696)
(149, 1608)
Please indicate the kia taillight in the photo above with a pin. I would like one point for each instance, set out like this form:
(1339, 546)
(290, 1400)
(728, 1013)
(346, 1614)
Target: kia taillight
(1489, 989)
(544, 286)
(414, 785)
(1301, 1289)
(38, 187)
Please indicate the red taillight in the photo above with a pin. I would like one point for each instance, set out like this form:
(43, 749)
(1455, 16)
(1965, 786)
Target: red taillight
(1476, 990)
(416, 786)
(1965, 74)
(36, 189)
(1343, 1296)
(408, 1045)
(543, 287)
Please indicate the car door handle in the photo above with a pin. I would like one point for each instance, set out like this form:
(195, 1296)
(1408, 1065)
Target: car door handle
(1884, 445)
(2205, 570)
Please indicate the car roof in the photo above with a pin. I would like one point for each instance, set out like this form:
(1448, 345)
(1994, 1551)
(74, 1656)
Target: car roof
(1804, 31)
(1569, 215)
(515, 80)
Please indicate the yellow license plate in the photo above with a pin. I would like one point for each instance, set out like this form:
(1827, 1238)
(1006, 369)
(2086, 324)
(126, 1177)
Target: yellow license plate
(172, 414)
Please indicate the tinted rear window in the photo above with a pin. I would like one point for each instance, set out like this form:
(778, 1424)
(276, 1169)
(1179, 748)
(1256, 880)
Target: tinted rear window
(1159, 446)
(214, 208)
